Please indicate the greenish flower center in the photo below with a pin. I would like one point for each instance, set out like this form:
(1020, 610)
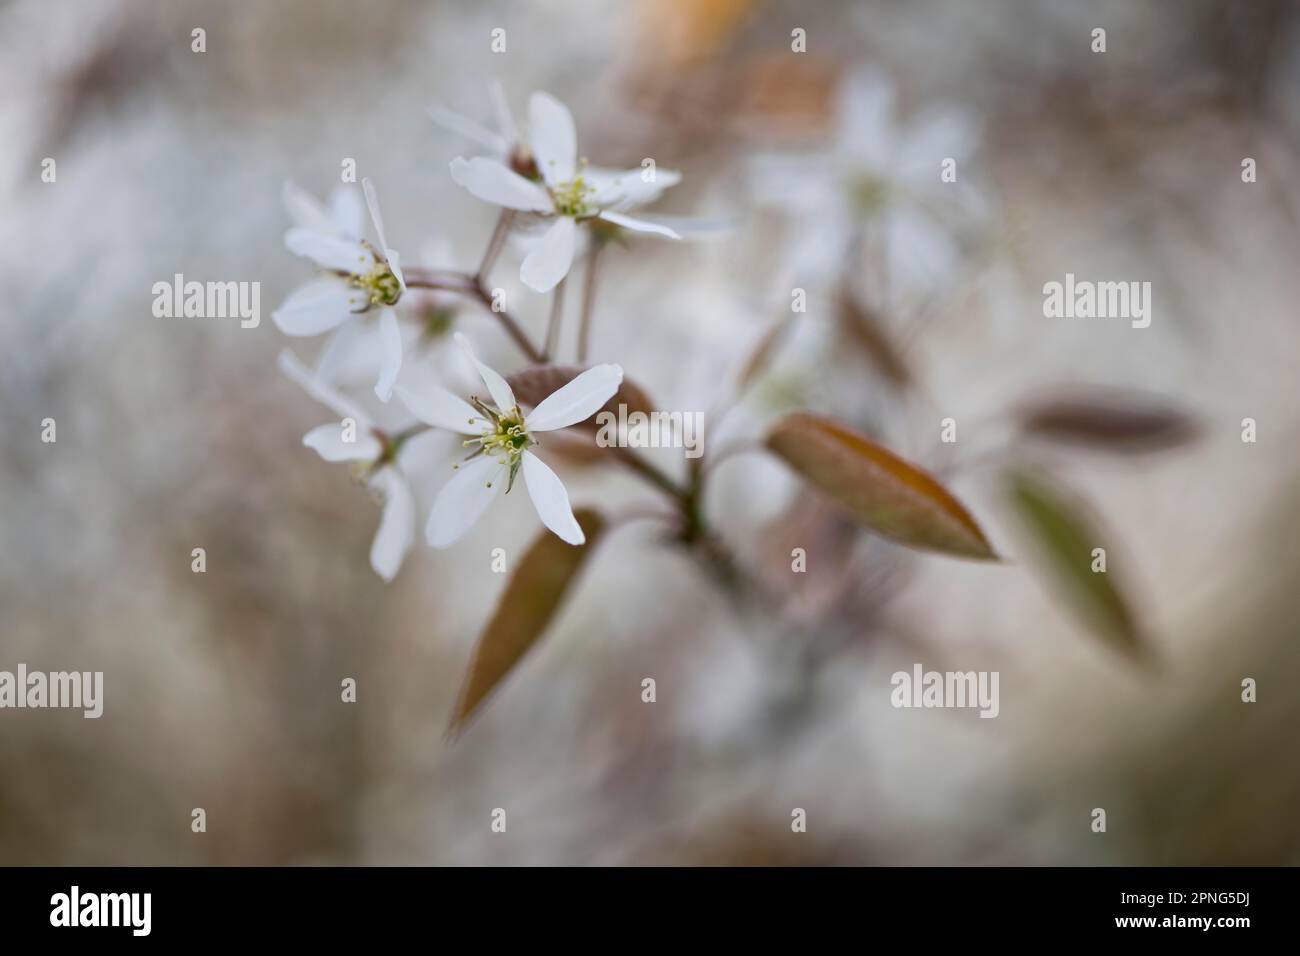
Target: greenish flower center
(868, 193)
(571, 198)
(506, 439)
(379, 284)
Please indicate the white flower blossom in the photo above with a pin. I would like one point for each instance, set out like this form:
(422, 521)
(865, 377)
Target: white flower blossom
(356, 277)
(879, 172)
(569, 192)
(501, 436)
(376, 456)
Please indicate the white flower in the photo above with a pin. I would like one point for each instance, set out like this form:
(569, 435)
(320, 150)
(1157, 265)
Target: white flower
(503, 436)
(356, 280)
(878, 171)
(502, 143)
(354, 438)
(567, 194)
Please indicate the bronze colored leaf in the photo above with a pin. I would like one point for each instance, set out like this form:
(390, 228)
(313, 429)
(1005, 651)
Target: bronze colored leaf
(534, 384)
(531, 599)
(1065, 535)
(1109, 419)
(764, 351)
(882, 491)
(865, 330)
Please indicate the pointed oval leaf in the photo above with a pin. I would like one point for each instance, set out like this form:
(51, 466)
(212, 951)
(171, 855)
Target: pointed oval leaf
(1065, 534)
(865, 329)
(533, 384)
(1109, 419)
(882, 491)
(759, 360)
(531, 599)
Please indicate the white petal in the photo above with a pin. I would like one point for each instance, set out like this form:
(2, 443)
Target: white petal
(555, 144)
(693, 227)
(551, 500)
(390, 340)
(576, 401)
(467, 128)
(327, 441)
(497, 386)
(346, 212)
(549, 262)
(306, 210)
(372, 203)
(339, 351)
(491, 181)
(342, 255)
(626, 189)
(463, 500)
(322, 304)
(397, 526)
(328, 396)
(395, 263)
(434, 405)
(639, 225)
(505, 119)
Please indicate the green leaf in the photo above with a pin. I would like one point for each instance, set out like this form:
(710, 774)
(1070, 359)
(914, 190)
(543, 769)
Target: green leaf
(1065, 534)
(531, 599)
(882, 491)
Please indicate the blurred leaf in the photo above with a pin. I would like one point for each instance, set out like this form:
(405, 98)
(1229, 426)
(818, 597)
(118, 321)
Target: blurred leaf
(763, 353)
(1066, 535)
(881, 490)
(865, 330)
(531, 599)
(1112, 420)
(534, 384)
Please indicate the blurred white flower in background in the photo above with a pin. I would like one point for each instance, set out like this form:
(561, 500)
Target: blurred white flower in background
(503, 435)
(355, 438)
(879, 182)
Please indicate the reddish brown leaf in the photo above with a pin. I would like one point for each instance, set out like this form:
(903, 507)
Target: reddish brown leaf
(1109, 419)
(532, 597)
(882, 491)
(865, 329)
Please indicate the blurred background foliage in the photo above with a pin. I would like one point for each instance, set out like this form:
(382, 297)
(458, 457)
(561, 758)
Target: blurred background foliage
(222, 689)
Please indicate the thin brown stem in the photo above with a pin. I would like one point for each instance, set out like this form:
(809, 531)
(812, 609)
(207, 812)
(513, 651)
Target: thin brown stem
(495, 245)
(472, 288)
(588, 302)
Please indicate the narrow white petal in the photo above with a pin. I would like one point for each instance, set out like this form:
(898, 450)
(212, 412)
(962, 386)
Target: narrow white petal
(395, 263)
(576, 401)
(328, 442)
(342, 255)
(397, 525)
(339, 350)
(372, 203)
(555, 143)
(323, 392)
(306, 210)
(492, 182)
(390, 340)
(462, 126)
(551, 500)
(549, 262)
(322, 304)
(346, 211)
(639, 225)
(693, 227)
(626, 189)
(434, 405)
(463, 499)
(505, 119)
(497, 386)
